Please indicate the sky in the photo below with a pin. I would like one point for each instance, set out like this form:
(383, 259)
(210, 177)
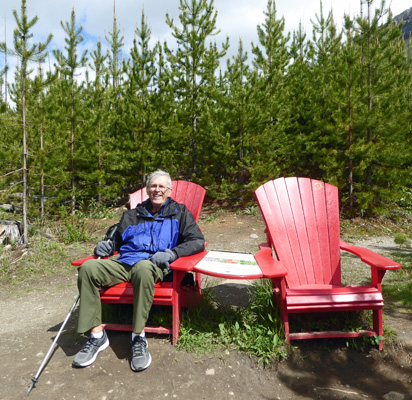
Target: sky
(236, 19)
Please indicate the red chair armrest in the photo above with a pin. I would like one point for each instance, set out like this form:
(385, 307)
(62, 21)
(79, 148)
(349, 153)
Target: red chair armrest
(370, 257)
(270, 267)
(181, 264)
(187, 263)
(80, 261)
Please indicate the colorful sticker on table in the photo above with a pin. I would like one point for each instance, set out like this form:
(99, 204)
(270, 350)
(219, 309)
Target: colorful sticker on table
(230, 261)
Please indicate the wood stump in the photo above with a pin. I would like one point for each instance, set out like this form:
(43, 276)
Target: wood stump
(10, 232)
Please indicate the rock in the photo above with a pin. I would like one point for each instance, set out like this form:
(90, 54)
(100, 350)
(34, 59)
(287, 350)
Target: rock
(394, 396)
(7, 207)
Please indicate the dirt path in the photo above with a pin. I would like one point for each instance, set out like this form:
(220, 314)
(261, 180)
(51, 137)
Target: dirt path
(31, 316)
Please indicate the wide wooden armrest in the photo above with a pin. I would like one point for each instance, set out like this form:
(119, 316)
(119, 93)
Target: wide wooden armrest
(181, 264)
(270, 267)
(187, 263)
(80, 261)
(370, 257)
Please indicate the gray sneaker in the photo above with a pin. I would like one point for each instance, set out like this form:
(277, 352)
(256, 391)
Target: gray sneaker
(141, 358)
(87, 355)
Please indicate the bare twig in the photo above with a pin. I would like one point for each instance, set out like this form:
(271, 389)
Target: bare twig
(11, 173)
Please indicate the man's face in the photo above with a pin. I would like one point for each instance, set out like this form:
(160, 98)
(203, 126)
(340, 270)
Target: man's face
(159, 191)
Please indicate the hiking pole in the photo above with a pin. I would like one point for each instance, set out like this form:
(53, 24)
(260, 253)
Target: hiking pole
(109, 237)
(36, 377)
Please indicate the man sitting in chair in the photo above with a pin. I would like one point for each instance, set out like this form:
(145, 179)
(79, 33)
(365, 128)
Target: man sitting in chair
(148, 238)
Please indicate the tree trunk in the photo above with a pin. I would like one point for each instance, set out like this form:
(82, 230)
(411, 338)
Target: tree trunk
(41, 180)
(25, 154)
(369, 133)
(72, 160)
(99, 196)
(194, 144)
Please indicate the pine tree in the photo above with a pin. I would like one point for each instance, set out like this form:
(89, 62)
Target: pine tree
(40, 145)
(324, 144)
(346, 89)
(10, 153)
(237, 119)
(68, 65)
(138, 118)
(299, 108)
(116, 163)
(406, 130)
(3, 72)
(271, 60)
(51, 100)
(116, 42)
(166, 128)
(98, 102)
(377, 141)
(26, 52)
(114, 55)
(193, 67)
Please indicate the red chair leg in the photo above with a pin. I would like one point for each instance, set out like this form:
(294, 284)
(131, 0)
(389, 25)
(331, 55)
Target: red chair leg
(176, 307)
(378, 324)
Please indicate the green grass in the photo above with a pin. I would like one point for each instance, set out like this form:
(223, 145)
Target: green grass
(402, 240)
(397, 285)
(398, 223)
(348, 321)
(44, 257)
(255, 329)
(251, 210)
(215, 215)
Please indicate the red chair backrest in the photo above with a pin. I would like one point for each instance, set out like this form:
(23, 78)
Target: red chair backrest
(188, 193)
(302, 221)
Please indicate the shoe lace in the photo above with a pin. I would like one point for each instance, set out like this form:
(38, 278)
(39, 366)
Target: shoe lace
(139, 346)
(90, 344)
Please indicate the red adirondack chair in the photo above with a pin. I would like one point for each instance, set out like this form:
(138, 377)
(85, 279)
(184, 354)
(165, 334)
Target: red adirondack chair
(174, 294)
(302, 227)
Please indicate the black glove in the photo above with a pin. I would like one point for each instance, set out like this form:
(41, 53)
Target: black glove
(163, 258)
(104, 249)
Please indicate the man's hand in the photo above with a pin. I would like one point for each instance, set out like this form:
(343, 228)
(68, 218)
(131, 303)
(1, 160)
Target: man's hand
(163, 258)
(104, 249)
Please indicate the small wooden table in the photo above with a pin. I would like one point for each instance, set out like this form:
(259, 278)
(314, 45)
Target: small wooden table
(228, 264)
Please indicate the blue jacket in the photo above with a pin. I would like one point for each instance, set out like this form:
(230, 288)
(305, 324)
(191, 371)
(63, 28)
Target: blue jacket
(140, 234)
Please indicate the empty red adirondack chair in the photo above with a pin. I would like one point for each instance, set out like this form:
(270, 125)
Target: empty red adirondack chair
(174, 294)
(302, 227)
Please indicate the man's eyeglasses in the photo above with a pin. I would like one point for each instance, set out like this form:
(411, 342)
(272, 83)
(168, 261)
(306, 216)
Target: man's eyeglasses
(160, 188)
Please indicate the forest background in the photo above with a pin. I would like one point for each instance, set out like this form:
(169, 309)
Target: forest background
(335, 106)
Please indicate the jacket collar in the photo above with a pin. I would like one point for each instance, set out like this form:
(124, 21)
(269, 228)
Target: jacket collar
(168, 208)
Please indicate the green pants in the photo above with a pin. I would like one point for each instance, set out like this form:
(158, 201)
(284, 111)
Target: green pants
(95, 274)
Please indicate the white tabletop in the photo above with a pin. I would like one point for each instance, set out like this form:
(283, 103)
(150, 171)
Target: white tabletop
(226, 264)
